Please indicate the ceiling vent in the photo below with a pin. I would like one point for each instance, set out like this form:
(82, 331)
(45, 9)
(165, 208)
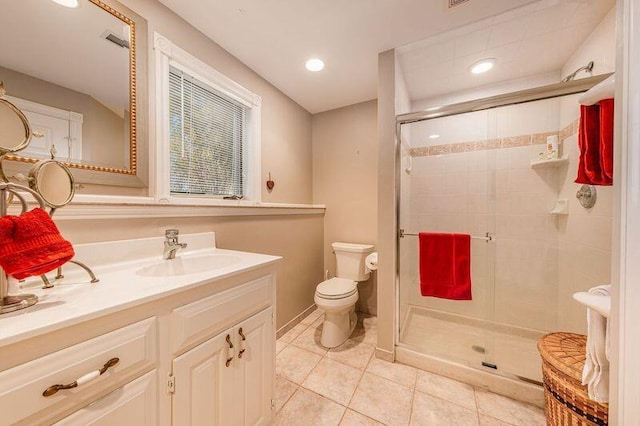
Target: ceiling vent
(110, 36)
(454, 3)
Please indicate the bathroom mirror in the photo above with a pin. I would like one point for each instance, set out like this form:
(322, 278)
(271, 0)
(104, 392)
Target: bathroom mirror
(73, 71)
(14, 127)
(53, 181)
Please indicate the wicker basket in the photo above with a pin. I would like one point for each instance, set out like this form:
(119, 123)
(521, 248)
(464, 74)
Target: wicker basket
(566, 400)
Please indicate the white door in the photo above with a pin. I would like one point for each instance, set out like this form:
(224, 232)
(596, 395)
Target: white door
(204, 383)
(133, 404)
(254, 369)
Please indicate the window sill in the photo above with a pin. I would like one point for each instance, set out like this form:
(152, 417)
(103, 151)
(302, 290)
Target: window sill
(113, 207)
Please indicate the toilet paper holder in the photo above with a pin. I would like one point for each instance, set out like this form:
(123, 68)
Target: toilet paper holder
(371, 261)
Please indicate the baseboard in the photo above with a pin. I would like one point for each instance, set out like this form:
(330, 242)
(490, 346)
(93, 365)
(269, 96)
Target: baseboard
(512, 388)
(369, 310)
(295, 321)
(384, 355)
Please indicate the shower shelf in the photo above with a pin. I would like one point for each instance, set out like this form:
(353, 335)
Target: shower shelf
(544, 164)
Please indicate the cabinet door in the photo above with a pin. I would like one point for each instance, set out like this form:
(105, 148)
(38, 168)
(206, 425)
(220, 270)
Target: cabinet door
(204, 383)
(255, 369)
(133, 404)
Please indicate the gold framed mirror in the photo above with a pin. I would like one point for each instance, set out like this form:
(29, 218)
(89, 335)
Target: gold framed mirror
(15, 131)
(74, 74)
(53, 181)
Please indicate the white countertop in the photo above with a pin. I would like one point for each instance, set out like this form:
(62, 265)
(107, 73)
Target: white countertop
(74, 300)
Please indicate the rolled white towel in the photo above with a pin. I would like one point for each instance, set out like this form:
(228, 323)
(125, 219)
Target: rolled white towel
(595, 374)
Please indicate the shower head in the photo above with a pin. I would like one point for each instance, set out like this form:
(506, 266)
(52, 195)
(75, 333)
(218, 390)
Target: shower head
(587, 68)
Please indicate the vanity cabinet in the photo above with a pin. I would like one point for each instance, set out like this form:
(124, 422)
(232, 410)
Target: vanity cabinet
(228, 379)
(133, 404)
(204, 355)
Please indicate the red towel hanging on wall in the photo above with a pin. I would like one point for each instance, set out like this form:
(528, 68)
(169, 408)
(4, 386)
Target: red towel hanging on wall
(595, 140)
(606, 140)
(445, 265)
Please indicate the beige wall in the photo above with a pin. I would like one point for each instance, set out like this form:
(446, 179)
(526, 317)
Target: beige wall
(102, 129)
(286, 153)
(286, 126)
(345, 178)
(297, 238)
(386, 202)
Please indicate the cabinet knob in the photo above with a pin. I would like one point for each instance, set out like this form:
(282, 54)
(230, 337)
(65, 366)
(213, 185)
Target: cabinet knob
(229, 351)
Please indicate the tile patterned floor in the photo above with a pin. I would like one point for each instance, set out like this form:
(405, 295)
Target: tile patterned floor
(349, 386)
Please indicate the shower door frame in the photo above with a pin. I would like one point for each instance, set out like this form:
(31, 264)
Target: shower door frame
(513, 98)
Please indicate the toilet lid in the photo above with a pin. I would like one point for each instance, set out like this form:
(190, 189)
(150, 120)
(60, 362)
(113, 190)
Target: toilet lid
(336, 288)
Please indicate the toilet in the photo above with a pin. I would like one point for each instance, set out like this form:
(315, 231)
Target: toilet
(337, 296)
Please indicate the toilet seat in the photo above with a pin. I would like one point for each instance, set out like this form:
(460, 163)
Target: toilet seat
(336, 288)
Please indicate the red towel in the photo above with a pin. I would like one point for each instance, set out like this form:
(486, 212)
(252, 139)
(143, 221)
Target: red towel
(445, 265)
(595, 140)
(30, 244)
(606, 140)
(589, 142)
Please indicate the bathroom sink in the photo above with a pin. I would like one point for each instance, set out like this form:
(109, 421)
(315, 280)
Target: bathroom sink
(187, 265)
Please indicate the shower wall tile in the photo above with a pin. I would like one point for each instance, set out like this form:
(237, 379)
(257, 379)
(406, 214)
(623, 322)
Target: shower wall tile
(530, 180)
(440, 149)
(480, 182)
(537, 203)
(464, 147)
(479, 224)
(541, 138)
(478, 203)
(526, 307)
(482, 160)
(533, 138)
(501, 181)
(456, 184)
(433, 185)
(458, 163)
(581, 268)
(525, 226)
(514, 141)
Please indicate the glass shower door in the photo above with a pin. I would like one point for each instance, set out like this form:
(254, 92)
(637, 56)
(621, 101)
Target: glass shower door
(450, 188)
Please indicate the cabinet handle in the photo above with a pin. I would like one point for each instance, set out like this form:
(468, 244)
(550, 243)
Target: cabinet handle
(229, 352)
(241, 343)
(52, 390)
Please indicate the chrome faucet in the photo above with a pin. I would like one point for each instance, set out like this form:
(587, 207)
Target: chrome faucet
(171, 244)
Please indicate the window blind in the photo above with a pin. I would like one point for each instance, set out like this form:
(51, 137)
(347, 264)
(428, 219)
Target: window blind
(207, 133)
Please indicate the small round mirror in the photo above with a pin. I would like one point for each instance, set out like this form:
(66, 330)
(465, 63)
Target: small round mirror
(53, 181)
(15, 131)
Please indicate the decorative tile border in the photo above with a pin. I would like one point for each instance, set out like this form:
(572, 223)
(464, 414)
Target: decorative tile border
(483, 145)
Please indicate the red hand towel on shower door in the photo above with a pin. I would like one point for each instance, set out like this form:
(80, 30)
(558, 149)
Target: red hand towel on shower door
(589, 171)
(445, 265)
(606, 141)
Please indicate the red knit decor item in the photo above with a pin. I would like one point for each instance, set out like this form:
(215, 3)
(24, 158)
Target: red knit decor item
(31, 244)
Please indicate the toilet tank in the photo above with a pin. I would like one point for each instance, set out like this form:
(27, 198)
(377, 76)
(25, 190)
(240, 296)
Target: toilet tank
(350, 260)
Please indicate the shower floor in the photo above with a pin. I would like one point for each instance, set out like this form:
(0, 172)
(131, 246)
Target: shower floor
(472, 342)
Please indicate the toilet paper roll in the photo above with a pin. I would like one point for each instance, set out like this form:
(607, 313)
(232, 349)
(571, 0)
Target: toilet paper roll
(372, 261)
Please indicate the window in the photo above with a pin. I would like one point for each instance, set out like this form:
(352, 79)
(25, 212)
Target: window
(208, 133)
(207, 138)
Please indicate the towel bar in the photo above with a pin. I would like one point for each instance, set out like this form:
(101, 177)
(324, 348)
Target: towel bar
(487, 237)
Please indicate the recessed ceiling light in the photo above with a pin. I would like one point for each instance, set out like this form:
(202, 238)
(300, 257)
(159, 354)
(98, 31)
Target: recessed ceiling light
(314, 65)
(482, 66)
(434, 136)
(67, 3)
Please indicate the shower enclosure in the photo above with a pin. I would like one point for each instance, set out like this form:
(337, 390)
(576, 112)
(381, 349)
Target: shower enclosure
(481, 168)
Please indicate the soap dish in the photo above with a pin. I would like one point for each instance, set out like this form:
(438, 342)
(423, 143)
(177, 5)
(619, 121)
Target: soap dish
(561, 207)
